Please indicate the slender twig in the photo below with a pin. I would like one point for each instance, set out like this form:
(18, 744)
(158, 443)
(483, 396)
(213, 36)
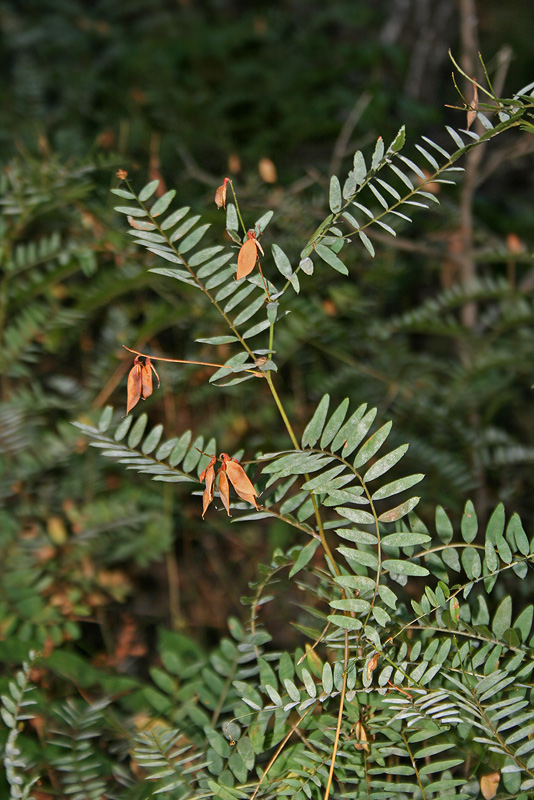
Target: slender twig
(341, 145)
(179, 361)
(279, 749)
(339, 719)
(295, 443)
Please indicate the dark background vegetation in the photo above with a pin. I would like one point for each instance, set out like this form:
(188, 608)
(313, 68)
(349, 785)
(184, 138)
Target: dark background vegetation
(190, 92)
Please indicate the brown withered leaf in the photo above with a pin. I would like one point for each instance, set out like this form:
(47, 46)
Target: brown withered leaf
(514, 244)
(224, 490)
(371, 665)
(267, 170)
(489, 785)
(134, 385)
(240, 481)
(473, 107)
(360, 733)
(208, 475)
(220, 194)
(246, 259)
(234, 163)
(146, 379)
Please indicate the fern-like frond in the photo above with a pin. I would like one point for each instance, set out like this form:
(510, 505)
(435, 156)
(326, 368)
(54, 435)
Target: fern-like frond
(14, 709)
(146, 454)
(83, 770)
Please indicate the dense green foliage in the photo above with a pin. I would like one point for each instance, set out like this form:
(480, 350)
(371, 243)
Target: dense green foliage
(351, 713)
(119, 679)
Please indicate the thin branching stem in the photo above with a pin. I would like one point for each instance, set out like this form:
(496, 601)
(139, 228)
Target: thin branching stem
(295, 443)
(339, 718)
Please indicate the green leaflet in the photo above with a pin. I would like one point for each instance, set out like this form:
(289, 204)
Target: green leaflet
(367, 243)
(249, 311)
(356, 515)
(123, 193)
(304, 557)
(356, 605)
(184, 228)
(297, 463)
(364, 558)
(318, 483)
(131, 211)
(331, 259)
(399, 511)
(193, 239)
(314, 428)
(495, 527)
(105, 419)
(395, 487)
(443, 525)
(147, 191)
(180, 449)
(152, 440)
(335, 199)
(137, 431)
(378, 154)
(174, 218)
(347, 623)
(282, 261)
(355, 535)
(502, 619)
(216, 340)
(371, 446)
(404, 539)
(471, 563)
(334, 423)
(385, 463)
(205, 255)
(161, 205)
(123, 427)
(469, 524)
(403, 567)
(355, 430)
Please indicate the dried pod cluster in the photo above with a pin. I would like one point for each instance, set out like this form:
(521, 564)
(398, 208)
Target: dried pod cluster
(232, 472)
(139, 382)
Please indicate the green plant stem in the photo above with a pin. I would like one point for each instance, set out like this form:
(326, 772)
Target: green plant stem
(191, 271)
(339, 719)
(280, 748)
(177, 360)
(295, 444)
(224, 694)
(414, 764)
(238, 211)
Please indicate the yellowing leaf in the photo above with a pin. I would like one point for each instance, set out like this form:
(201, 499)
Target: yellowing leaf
(489, 785)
